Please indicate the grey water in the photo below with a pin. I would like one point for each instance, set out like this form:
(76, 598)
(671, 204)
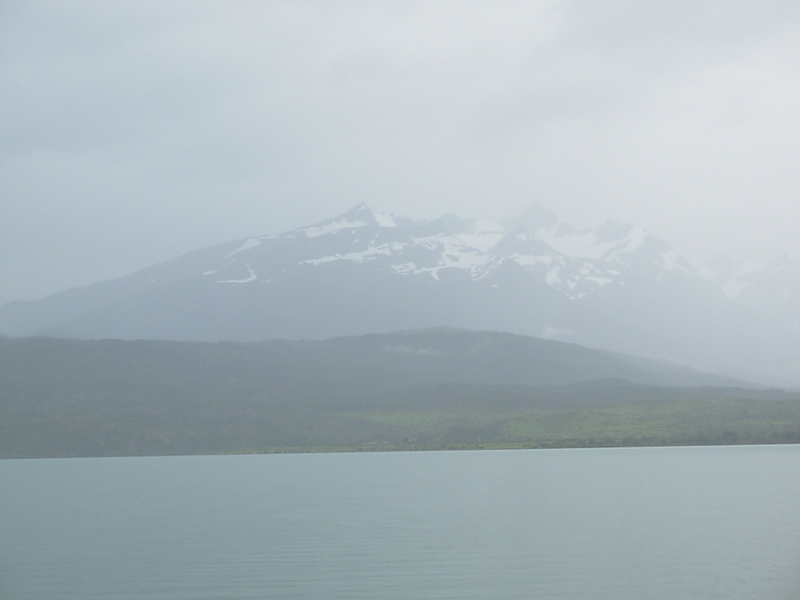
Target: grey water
(654, 523)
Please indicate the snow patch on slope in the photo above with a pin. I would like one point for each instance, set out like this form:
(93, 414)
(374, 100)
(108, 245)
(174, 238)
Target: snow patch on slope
(368, 254)
(587, 244)
(331, 227)
(251, 277)
(385, 220)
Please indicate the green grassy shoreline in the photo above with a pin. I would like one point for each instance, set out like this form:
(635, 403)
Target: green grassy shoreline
(625, 424)
(557, 445)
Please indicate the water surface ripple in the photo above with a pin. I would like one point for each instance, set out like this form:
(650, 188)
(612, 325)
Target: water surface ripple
(615, 524)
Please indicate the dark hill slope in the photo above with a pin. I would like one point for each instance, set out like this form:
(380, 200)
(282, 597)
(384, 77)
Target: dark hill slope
(110, 397)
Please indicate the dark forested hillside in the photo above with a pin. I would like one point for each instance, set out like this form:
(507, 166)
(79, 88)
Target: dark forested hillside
(417, 389)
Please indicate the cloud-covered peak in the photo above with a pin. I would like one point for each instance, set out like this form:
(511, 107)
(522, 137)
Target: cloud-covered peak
(613, 241)
(536, 217)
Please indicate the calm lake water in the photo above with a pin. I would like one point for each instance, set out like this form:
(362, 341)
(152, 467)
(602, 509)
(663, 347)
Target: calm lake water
(684, 523)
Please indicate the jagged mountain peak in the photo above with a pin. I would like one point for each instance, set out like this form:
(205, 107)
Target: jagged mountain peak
(612, 230)
(360, 215)
(612, 242)
(535, 217)
(536, 237)
(359, 208)
(519, 241)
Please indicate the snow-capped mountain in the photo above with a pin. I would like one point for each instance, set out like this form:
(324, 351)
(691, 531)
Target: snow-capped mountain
(612, 241)
(614, 287)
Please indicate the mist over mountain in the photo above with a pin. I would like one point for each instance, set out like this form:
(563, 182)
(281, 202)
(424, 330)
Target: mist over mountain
(613, 287)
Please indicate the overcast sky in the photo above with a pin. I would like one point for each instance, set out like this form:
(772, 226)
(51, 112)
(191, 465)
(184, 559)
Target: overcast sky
(133, 132)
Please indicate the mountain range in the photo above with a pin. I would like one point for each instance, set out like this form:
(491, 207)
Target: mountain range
(613, 287)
